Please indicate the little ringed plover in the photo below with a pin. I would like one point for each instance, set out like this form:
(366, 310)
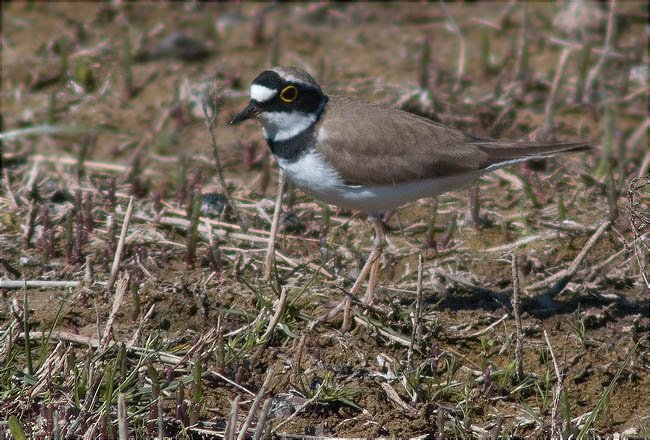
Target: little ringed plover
(369, 157)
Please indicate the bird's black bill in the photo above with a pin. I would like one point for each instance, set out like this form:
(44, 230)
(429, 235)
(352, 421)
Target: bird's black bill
(250, 111)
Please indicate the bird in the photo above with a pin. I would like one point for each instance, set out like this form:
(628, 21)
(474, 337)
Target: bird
(369, 157)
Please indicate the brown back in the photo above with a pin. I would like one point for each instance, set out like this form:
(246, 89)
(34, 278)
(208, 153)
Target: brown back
(374, 145)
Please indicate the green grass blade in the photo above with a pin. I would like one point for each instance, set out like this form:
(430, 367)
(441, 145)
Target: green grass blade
(15, 428)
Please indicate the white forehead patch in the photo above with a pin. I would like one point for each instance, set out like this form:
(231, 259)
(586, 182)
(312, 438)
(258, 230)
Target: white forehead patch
(262, 94)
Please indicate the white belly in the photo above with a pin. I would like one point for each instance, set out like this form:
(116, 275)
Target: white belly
(317, 178)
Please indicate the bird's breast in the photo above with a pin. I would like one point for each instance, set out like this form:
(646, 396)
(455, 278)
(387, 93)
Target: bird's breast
(311, 173)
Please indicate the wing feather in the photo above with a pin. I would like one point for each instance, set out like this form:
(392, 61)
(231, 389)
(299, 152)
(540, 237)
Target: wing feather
(374, 145)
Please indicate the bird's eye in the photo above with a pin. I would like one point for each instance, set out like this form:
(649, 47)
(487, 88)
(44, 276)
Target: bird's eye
(289, 94)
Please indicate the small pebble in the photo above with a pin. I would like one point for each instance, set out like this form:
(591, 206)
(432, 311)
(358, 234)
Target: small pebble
(213, 204)
(61, 196)
(291, 223)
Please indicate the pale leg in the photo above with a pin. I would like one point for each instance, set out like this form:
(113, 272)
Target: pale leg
(378, 247)
(370, 267)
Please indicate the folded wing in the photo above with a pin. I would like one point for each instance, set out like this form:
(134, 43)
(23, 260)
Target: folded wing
(374, 145)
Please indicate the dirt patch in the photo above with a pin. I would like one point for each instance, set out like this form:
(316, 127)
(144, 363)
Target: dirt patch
(195, 335)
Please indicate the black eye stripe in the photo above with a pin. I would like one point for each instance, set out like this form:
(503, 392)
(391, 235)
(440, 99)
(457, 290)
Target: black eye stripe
(273, 81)
(307, 101)
(298, 96)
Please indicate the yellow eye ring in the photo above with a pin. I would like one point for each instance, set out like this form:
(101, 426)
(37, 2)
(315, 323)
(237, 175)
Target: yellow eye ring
(289, 94)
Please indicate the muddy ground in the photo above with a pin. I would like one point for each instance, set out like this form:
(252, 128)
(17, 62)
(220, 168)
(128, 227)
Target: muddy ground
(95, 110)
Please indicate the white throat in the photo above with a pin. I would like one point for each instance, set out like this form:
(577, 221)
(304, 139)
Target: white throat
(281, 126)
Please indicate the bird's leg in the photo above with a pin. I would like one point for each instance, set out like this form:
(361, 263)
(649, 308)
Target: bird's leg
(372, 262)
(370, 267)
(378, 247)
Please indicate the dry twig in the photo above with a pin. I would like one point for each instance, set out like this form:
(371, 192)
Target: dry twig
(516, 305)
(231, 426)
(455, 28)
(558, 280)
(549, 110)
(279, 310)
(36, 284)
(164, 357)
(122, 286)
(270, 250)
(483, 331)
(305, 404)
(256, 403)
(395, 398)
(556, 394)
(521, 67)
(416, 333)
(609, 36)
(120, 246)
(209, 124)
(639, 223)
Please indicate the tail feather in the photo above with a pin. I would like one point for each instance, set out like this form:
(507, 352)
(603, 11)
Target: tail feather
(503, 153)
